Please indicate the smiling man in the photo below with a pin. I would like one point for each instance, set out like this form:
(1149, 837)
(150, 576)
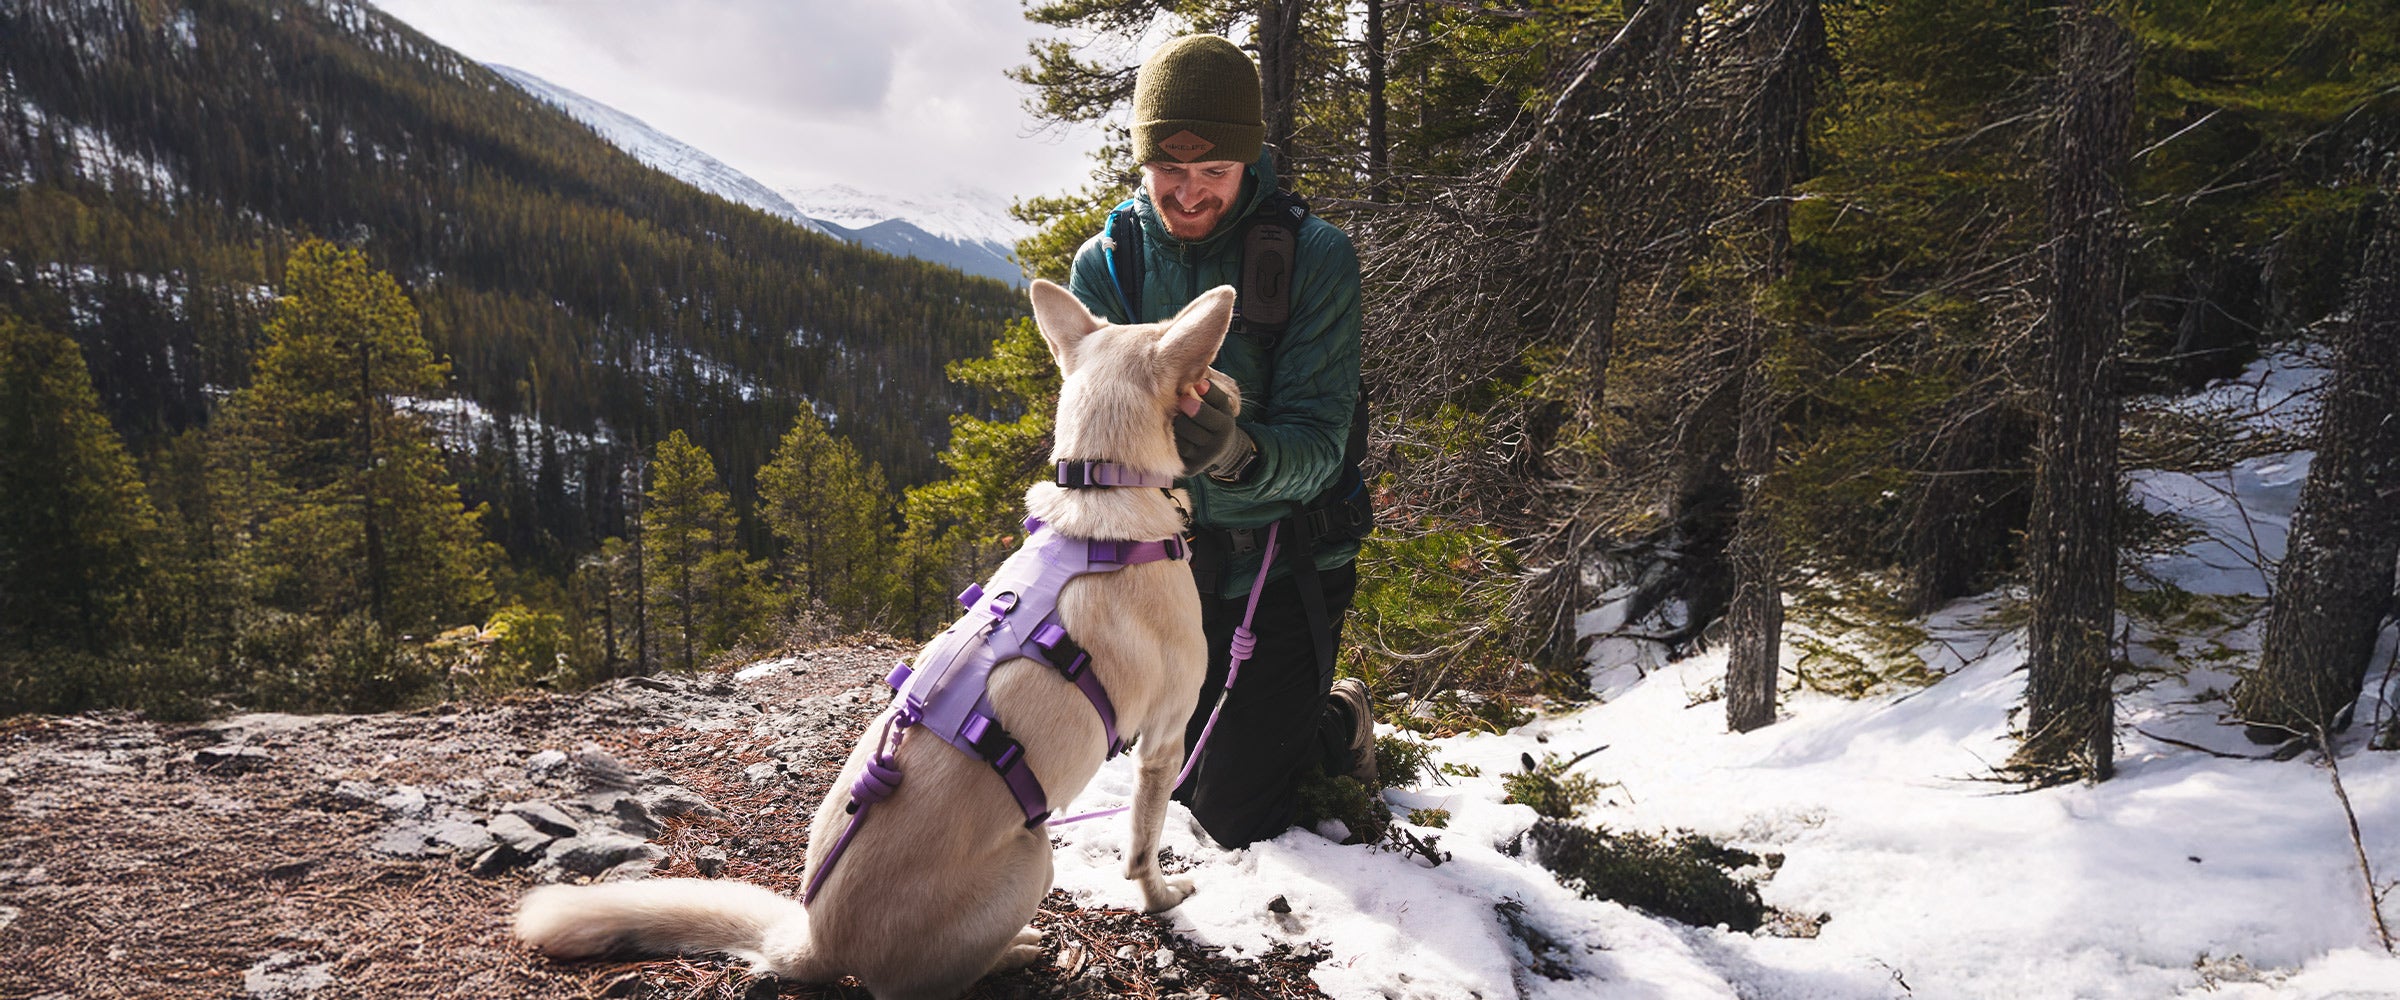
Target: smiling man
(1287, 466)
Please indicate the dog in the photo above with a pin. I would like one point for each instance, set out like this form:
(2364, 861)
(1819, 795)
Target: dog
(937, 886)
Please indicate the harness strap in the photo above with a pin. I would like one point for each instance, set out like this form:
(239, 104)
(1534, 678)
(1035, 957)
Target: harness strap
(1063, 653)
(1239, 650)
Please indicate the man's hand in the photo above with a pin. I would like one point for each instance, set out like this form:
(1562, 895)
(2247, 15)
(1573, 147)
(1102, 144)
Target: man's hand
(1207, 439)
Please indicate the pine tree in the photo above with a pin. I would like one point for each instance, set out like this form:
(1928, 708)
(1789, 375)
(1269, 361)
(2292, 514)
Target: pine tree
(831, 512)
(76, 527)
(352, 508)
(699, 582)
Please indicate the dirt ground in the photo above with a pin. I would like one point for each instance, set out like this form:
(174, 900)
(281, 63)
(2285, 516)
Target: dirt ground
(255, 856)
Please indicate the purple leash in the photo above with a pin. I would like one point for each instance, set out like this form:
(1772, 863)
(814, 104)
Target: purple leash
(875, 784)
(1239, 650)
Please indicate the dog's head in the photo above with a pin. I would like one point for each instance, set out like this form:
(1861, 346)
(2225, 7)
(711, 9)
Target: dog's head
(1122, 383)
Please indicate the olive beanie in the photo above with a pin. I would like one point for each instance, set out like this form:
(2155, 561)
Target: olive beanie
(1196, 98)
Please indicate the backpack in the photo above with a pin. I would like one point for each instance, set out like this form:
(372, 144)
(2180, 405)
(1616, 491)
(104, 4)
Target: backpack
(1262, 309)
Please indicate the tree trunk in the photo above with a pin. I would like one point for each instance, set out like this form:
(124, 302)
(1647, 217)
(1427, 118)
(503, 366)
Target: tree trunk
(2335, 586)
(1786, 33)
(2071, 543)
(1379, 153)
(1278, 68)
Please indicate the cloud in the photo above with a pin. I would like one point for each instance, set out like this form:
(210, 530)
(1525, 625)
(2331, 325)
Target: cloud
(894, 96)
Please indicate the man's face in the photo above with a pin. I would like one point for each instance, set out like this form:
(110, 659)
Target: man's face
(1192, 198)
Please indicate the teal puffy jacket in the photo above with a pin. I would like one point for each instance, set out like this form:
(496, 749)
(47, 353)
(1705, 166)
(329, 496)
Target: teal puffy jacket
(1296, 404)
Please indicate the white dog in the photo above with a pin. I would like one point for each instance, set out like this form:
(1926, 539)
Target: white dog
(937, 887)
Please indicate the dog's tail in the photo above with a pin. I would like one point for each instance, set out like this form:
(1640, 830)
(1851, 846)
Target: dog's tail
(672, 916)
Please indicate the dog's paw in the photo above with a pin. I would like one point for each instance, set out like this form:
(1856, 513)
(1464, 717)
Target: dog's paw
(1164, 894)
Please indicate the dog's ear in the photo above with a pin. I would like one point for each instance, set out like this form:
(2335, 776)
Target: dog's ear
(1063, 319)
(1193, 336)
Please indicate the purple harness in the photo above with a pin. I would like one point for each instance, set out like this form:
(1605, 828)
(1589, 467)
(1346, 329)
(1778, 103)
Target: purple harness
(1014, 615)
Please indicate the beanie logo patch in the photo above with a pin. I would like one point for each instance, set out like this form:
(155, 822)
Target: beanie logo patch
(1186, 146)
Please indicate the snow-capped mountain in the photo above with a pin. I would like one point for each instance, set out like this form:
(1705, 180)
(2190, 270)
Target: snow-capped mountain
(660, 150)
(961, 215)
(966, 228)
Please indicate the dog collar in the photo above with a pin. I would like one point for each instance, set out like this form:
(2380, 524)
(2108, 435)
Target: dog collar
(1084, 474)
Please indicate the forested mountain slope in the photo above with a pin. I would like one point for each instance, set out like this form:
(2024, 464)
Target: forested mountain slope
(158, 160)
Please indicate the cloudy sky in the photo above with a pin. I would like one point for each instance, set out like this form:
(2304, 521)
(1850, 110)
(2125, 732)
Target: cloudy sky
(890, 97)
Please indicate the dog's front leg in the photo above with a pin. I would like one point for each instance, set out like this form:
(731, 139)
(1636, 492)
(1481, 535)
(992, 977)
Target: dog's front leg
(1153, 782)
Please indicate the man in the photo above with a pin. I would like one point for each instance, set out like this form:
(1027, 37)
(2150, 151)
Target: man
(1198, 132)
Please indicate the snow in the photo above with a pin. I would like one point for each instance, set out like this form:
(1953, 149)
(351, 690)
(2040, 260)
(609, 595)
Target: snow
(659, 150)
(2187, 875)
(961, 215)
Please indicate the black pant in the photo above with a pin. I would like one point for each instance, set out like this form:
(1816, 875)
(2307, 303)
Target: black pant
(1276, 723)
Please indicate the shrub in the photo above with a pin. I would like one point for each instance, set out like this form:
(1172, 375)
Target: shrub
(1550, 790)
(1342, 797)
(1683, 876)
(1402, 760)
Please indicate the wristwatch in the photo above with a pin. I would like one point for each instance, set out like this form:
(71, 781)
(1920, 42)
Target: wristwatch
(1241, 465)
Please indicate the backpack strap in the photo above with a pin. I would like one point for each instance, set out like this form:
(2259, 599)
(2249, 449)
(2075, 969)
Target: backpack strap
(1270, 253)
(1122, 245)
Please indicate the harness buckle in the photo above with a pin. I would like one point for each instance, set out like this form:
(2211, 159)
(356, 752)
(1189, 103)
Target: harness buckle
(968, 597)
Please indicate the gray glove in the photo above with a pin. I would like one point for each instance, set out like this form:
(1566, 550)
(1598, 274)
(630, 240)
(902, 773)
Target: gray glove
(1210, 442)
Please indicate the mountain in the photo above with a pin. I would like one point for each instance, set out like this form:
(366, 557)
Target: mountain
(966, 228)
(658, 149)
(158, 160)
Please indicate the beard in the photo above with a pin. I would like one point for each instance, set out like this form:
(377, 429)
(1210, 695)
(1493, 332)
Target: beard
(1191, 222)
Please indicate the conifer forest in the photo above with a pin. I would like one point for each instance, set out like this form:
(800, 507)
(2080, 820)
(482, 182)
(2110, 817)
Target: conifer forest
(337, 373)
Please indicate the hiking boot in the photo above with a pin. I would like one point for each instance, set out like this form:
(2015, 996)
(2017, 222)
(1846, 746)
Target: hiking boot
(1350, 694)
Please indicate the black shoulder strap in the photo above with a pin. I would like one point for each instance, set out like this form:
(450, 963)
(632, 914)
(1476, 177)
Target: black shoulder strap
(1270, 254)
(1122, 244)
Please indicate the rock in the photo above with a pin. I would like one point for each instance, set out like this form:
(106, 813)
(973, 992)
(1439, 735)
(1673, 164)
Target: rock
(407, 801)
(627, 812)
(1162, 958)
(545, 817)
(233, 758)
(355, 794)
(1279, 905)
(710, 861)
(285, 974)
(501, 857)
(653, 684)
(762, 772)
(666, 801)
(599, 770)
(1126, 952)
(512, 831)
(546, 765)
(630, 870)
(405, 840)
(461, 836)
(599, 852)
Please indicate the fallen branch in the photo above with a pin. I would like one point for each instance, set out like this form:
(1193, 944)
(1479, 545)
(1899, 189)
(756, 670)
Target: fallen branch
(2172, 741)
(2383, 932)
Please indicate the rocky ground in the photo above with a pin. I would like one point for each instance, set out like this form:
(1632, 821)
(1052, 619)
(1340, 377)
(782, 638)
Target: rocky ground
(275, 856)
